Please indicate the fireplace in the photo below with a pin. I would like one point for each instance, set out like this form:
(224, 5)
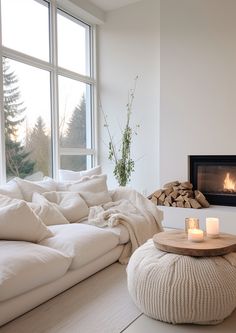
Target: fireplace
(215, 177)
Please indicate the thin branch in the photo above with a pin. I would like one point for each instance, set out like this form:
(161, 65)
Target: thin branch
(130, 100)
(108, 131)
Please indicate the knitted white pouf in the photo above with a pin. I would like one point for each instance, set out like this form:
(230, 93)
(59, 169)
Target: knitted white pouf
(182, 289)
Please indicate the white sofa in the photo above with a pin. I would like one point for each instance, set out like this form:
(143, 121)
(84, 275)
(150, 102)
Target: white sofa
(32, 272)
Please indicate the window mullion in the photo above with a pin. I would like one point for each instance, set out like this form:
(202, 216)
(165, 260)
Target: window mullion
(94, 94)
(75, 76)
(54, 88)
(2, 119)
(77, 151)
(25, 58)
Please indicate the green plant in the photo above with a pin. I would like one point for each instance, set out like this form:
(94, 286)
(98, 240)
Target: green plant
(121, 157)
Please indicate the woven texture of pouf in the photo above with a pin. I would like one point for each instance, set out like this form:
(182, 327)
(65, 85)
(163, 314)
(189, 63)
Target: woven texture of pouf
(182, 289)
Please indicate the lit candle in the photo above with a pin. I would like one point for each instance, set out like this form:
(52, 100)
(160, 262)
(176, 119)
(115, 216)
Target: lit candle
(212, 227)
(195, 235)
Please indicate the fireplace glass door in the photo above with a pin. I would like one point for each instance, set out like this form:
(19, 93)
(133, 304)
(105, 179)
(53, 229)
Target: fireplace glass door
(215, 177)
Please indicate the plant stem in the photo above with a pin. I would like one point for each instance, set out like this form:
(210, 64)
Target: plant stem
(109, 133)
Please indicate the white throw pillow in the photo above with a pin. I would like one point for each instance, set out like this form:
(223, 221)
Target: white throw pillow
(18, 222)
(35, 177)
(28, 187)
(6, 201)
(93, 190)
(91, 172)
(11, 189)
(70, 204)
(69, 175)
(47, 211)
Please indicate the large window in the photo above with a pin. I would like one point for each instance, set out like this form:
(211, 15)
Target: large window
(47, 90)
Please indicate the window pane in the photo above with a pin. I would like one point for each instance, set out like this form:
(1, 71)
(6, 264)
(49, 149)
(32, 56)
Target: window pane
(74, 113)
(25, 27)
(76, 162)
(27, 119)
(73, 44)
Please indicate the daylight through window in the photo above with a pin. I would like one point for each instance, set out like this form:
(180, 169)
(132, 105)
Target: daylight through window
(47, 90)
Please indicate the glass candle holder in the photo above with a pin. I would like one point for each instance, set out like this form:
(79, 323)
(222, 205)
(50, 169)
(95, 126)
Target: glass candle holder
(191, 223)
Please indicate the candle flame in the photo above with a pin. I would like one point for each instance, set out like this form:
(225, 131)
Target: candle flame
(229, 183)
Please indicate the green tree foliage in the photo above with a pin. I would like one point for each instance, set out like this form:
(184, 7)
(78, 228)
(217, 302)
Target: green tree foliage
(76, 130)
(17, 159)
(38, 144)
(76, 137)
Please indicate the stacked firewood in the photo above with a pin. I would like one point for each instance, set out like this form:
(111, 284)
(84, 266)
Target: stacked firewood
(176, 194)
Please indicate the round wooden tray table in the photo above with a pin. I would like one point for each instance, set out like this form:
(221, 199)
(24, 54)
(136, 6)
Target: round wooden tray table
(177, 242)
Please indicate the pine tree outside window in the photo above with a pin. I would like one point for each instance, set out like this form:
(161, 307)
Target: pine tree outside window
(47, 90)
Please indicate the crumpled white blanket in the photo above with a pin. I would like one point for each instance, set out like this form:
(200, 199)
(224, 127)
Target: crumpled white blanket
(138, 214)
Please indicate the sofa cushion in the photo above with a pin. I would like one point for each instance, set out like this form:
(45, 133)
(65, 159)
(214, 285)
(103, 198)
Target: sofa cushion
(25, 266)
(18, 222)
(83, 242)
(47, 211)
(11, 189)
(119, 230)
(6, 200)
(91, 172)
(70, 204)
(70, 175)
(93, 189)
(28, 188)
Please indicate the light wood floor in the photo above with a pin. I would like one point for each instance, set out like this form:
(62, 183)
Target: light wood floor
(144, 324)
(101, 304)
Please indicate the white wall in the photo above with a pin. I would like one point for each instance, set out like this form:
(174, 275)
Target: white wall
(191, 47)
(129, 45)
(198, 82)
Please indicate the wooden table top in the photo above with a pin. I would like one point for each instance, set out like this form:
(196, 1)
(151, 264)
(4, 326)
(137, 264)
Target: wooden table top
(177, 242)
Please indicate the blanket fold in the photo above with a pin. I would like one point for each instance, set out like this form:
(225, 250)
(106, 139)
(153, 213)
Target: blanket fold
(138, 214)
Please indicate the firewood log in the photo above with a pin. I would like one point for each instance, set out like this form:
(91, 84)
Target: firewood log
(168, 191)
(174, 194)
(169, 199)
(187, 204)
(162, 197)
(179, 198)
(154, 200)
(201, 199)
(189, 193)
(194, 203)
(171, 184)
(158, 193)
(160, 202)
(186, 185)
(176, 188)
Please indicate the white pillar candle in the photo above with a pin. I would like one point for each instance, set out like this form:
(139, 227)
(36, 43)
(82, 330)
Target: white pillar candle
(212, 227)
(195, 235)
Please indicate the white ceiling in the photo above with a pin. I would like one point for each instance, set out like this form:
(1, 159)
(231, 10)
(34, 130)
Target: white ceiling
(108, 5)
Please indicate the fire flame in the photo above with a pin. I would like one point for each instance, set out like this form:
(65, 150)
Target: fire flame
(229, 184)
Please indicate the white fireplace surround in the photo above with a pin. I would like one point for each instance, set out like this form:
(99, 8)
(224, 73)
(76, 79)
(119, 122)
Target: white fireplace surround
(175, 217)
